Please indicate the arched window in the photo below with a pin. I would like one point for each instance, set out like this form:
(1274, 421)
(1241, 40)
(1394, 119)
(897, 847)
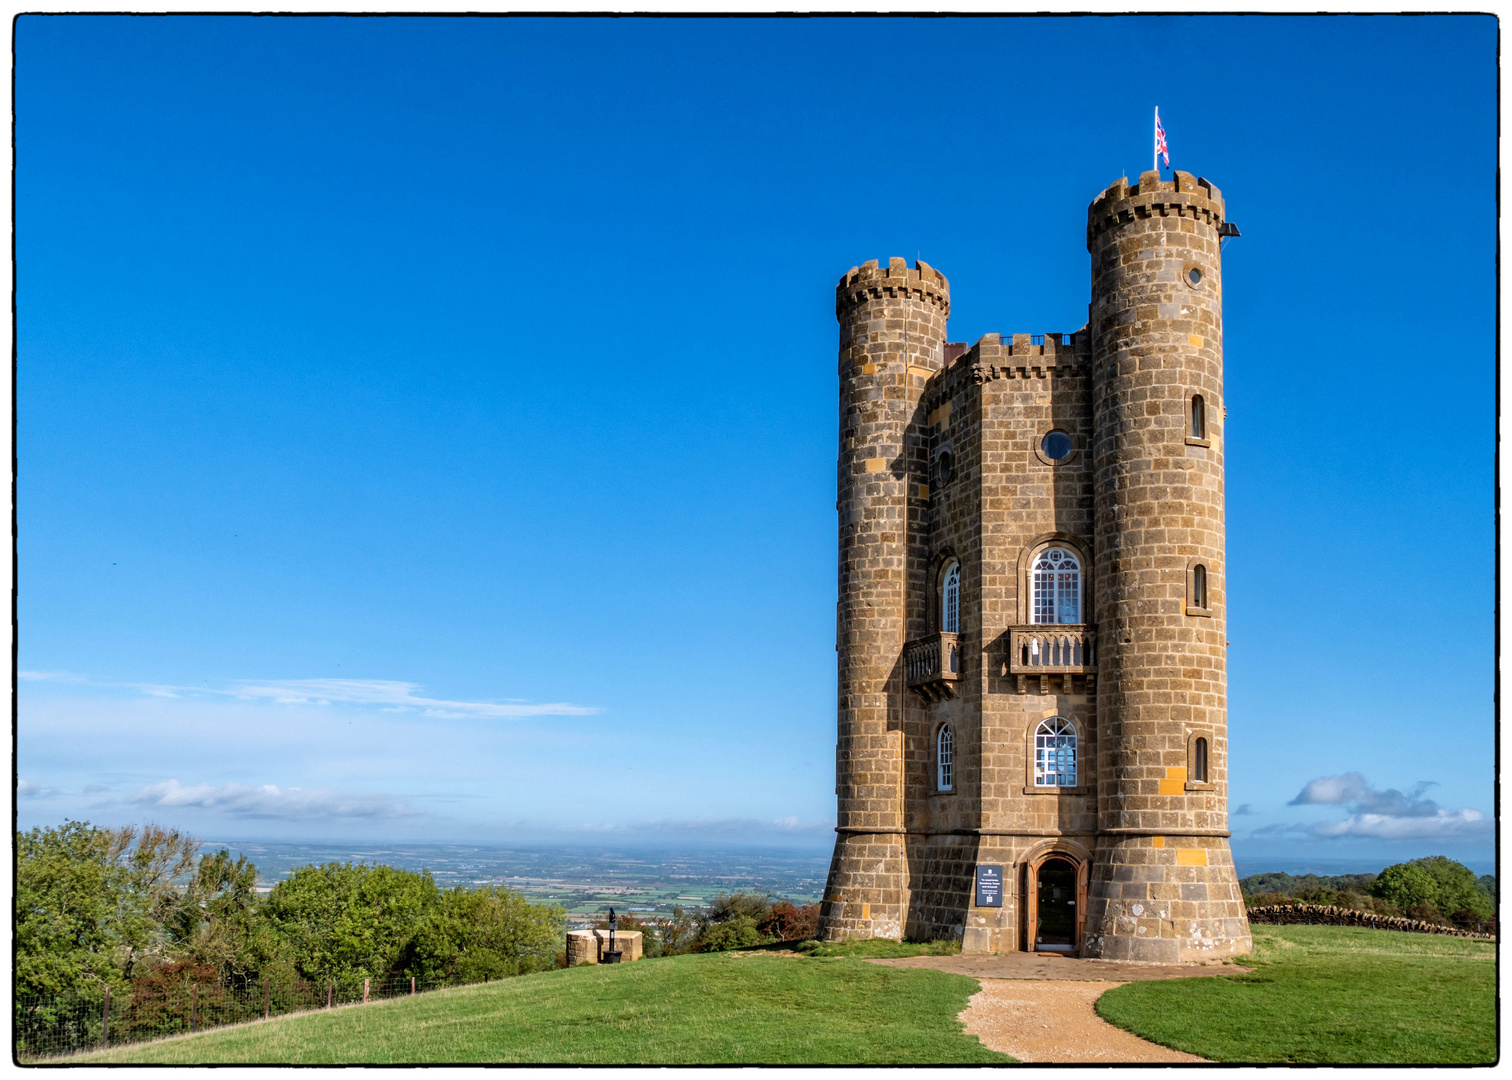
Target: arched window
(1055, 585)
(1199, 417)
(1199, 761)
(1199, 586)
(1055, 753)
(950, 598)
(944, 759)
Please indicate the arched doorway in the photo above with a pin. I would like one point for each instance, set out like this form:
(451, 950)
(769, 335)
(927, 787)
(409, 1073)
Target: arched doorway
(1056, 901)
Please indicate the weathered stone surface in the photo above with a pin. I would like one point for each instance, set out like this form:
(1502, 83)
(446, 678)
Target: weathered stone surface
(588, 946)
(941, 459)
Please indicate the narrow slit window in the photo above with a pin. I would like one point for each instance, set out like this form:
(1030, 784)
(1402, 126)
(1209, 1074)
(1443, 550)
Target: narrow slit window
(950, 599)
(1199, 417)
(1199, 587)
(1200, 761)
(944, 759)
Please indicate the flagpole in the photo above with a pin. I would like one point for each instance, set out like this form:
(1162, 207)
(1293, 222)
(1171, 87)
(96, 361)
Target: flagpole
(1155, 142)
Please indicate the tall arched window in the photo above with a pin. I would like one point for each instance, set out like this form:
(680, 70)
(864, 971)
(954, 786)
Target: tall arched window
(1199, 761)
(1199, 586)
(1055, 753)
(950, 598)
(944, 759)
(1199, 417)
(1055, 585)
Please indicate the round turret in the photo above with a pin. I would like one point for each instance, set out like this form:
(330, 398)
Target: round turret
(1163, 887)
(892, 336)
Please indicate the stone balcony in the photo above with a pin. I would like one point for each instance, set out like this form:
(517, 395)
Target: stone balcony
(1062, 651)
(932, 665)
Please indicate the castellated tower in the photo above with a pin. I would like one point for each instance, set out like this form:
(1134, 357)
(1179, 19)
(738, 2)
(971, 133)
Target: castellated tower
(892, 334)
(1031, 750)
(1163, 884)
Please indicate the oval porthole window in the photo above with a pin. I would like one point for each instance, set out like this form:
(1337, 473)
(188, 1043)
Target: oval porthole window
(944, 468)
(1056, 445)
(1194, 275)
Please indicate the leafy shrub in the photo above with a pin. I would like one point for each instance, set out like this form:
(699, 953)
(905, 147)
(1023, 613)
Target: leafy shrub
(786, 921)
(739, 932)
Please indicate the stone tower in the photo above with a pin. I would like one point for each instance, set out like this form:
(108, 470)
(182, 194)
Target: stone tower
(892, 333)
(1032, 748)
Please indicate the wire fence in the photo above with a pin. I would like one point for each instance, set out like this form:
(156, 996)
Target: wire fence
(53, 1025)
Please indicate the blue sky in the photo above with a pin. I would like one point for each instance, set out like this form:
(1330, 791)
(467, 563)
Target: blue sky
(426, 427)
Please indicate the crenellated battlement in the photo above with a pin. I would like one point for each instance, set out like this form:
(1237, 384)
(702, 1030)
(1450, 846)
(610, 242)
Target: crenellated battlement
(1016, 356)
(871, 281)
(1185, 196)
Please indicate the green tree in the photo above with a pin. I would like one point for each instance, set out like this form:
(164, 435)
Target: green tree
(344, 921)
(71, 893)
(1406, 886)
(473, 934)
(1458, 893)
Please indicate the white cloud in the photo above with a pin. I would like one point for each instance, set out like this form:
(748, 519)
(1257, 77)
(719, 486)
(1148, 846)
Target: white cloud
(28, 789)
(1384, 815)
(391, 695)
(387, 695)
(268, 801)
(1442, 825)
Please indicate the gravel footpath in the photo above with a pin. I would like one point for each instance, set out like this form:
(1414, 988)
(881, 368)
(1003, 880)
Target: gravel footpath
(1043, 1020)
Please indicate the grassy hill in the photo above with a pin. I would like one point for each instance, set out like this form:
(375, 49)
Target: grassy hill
(1342, 995)
(723, 1008)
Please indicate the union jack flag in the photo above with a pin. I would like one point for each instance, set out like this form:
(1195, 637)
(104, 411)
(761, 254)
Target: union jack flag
(1160, 140)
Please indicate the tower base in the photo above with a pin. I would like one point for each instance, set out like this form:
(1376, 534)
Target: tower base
(1165, 900)
(866, 893)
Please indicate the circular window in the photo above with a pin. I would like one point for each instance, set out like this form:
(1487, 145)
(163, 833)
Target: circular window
(944, 468)
(1056, 446)
(1194, 275)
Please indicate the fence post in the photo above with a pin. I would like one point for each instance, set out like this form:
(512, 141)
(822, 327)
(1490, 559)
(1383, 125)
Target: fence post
(267, 996)
(412, 984)
(105, 1029)
(194, 1007)
(364, 991)
(330, 992)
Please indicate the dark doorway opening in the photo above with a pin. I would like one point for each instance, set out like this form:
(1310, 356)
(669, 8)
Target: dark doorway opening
(1055, 906)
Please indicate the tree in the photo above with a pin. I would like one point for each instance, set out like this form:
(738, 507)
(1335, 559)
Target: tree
(344, 921)
(71, 892)
(1407, 886)
(1458, 893)
(473, 934)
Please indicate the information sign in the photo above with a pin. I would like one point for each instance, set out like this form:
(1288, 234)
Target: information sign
(989, 886)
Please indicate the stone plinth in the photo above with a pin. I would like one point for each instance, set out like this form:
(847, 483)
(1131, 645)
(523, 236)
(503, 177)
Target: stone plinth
(587, 946)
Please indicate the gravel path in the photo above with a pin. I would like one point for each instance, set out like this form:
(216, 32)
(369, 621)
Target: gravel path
(1044, 1020)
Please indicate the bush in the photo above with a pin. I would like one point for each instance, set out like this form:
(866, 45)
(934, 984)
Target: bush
(787, 921)
(739, 932)
(1430, 887)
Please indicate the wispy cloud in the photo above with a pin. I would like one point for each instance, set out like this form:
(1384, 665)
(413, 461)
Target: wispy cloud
(1385, 814)
(385, 694)
(1242, 810)
(30, 789)
(268, 801)
(393, 695)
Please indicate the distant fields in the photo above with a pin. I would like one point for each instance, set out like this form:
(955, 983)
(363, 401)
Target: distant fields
(722, 1008)
(584, 880)
(1322, 994)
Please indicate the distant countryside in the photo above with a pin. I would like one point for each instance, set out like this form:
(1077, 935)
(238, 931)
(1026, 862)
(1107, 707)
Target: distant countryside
(127, 936)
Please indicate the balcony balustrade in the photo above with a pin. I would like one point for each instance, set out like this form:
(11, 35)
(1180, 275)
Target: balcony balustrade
(932, 665)
(1063, 650)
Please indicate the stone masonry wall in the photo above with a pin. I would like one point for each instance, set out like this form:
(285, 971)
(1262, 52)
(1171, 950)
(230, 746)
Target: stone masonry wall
(892, 335)
(1163, 885)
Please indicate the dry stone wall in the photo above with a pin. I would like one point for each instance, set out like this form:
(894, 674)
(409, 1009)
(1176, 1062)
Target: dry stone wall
(1332, 915)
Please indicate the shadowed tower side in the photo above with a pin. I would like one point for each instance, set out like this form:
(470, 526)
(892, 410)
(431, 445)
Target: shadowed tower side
(892, 319)
(1163, 885)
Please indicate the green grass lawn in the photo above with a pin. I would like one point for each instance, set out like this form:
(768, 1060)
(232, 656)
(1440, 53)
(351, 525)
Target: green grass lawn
(714, 1009)
(1324, 994)
(880, 948)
